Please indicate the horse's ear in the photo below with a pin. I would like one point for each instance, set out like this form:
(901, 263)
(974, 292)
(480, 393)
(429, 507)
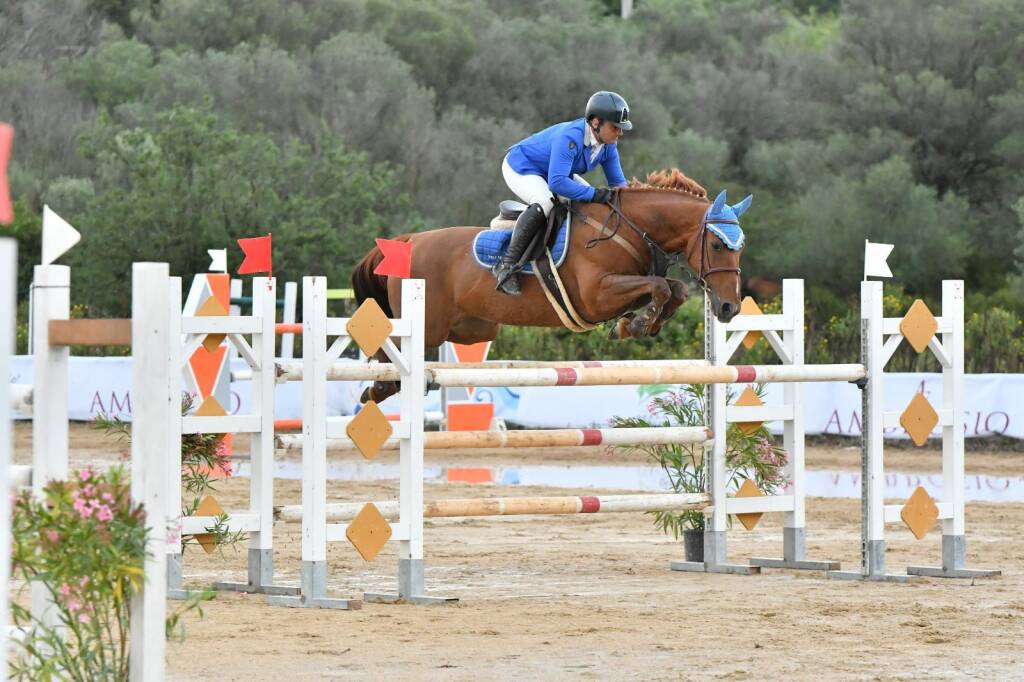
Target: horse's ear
(719, 202)
(741, 208)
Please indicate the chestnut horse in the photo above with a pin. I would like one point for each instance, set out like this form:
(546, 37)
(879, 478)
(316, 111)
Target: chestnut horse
(603, 278)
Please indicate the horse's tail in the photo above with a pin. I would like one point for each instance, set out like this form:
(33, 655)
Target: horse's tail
(366, 285)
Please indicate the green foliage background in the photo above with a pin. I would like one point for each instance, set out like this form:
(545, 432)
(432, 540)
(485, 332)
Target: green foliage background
(162, 128)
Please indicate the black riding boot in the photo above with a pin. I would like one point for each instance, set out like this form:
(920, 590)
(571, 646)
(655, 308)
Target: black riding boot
(527, 224)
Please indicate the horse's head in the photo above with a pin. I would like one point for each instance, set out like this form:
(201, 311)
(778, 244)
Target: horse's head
(714, 255)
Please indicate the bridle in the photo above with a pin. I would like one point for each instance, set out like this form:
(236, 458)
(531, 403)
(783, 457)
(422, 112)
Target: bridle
(661, 260)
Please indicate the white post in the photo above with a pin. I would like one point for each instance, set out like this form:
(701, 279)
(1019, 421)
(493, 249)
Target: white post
(314, 429)
(52, 293)
(953, 400)
(410, 553)
(8, 306)
(261, 491)
(873, 498)
(291, 293)
(152, 400)
(175, 368)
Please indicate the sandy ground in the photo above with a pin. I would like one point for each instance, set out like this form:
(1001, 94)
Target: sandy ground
(580, 597)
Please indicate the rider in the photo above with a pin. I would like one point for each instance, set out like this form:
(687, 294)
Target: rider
(549, 162)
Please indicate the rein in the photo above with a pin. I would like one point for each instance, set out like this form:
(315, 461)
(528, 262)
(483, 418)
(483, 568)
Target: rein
(661, 260)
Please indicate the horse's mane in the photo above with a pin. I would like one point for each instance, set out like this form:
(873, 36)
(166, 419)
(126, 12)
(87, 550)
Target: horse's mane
(673, 179)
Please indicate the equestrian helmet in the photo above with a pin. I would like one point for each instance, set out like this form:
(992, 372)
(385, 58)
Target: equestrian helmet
(609, 106)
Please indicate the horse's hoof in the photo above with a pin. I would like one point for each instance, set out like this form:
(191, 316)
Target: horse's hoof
(620, 331)
(367, 395)
(638, 328)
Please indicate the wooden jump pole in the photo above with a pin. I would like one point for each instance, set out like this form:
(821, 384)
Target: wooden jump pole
(535, 438)
(513, 506)
(669, 373)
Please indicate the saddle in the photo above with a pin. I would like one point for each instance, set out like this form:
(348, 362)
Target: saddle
(544, 256)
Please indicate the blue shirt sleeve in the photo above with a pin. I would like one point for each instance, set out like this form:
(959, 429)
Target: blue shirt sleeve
(560, 170)
(612, 167)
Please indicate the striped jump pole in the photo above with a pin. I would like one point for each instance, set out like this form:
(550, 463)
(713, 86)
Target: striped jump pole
(668, 373)
(514, 506)
(546, 438)
(292, 371)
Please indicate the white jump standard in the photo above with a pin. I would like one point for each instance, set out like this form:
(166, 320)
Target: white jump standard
(880, 338)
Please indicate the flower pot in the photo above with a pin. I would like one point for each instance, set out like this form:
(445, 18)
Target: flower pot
(693, 544)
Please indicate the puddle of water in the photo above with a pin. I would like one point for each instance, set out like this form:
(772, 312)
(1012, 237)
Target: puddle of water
(978, 488)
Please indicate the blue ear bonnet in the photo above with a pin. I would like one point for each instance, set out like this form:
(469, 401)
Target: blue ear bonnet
(731, 234)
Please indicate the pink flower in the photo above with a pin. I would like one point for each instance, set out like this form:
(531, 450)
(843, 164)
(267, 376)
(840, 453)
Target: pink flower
(82, 508)
(83, 618)
(53, 536)
(104, 513)
(88, 489)
(107, 496)
(65, 589)
(85, 474)
(74, 605)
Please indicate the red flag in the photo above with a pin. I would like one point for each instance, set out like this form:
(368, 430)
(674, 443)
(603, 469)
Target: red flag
(257, 255)
(397, 260)
(6, 142)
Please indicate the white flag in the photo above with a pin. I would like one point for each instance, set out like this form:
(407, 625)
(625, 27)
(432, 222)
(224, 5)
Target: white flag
(874, 259)
(58, 236)
(218, 260)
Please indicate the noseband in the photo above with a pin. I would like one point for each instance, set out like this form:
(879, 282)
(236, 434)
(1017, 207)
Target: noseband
(661, 259)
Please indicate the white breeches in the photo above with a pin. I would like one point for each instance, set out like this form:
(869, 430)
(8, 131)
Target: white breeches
(531, 189)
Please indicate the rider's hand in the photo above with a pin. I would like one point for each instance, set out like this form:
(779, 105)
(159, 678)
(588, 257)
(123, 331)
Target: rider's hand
(603, 195)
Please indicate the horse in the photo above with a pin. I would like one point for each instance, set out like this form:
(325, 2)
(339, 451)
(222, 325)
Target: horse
(609, 271)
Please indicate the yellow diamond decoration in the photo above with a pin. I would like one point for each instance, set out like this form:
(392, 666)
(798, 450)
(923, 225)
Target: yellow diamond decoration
(749, 307)
(212, 308)
(749, 399)
(749, 489)
(368, 532)
(920, 513)
(369, 327)
(369, 430)
(918, 326)
(208, 507)
(919, 419)
(211, 407)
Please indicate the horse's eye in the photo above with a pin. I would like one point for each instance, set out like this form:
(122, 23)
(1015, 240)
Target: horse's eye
(716, 247)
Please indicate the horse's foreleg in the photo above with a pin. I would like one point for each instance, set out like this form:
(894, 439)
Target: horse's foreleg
(623, 290)
(380, 390)
(680, 293)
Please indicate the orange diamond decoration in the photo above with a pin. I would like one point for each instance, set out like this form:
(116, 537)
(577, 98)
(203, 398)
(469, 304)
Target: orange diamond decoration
(211, 307)
(369, 430)
(749, 489)
(369, 327)
(919, 419)
(368, 532)
(208, 507)
(749, 307)
(918, 326)
(749, 398)
(920, 513)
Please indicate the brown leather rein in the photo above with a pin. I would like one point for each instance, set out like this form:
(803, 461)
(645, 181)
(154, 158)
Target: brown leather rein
(661, 259)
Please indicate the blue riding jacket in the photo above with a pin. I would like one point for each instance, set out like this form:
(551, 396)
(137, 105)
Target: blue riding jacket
(556, 153)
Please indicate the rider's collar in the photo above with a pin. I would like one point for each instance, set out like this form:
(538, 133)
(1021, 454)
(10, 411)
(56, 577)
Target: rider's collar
(590, 140)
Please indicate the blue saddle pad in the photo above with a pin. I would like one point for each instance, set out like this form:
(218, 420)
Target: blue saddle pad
(490, 245)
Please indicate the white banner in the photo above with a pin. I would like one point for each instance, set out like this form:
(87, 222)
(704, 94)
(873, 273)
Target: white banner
(993, 404)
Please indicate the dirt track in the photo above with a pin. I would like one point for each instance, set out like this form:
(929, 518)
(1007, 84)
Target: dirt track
(585, 597)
